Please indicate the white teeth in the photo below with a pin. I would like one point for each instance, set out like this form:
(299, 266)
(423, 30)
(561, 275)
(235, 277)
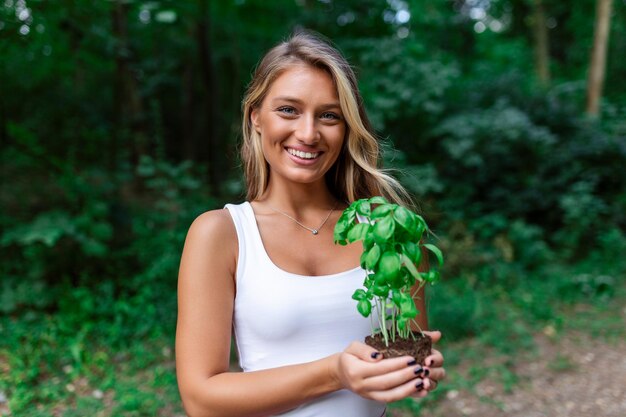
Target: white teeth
(303, 155)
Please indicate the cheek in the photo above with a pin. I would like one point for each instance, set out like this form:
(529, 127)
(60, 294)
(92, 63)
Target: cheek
(338, 138)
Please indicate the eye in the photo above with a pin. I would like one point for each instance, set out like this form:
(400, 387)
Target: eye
(330, 116)
(288, 110)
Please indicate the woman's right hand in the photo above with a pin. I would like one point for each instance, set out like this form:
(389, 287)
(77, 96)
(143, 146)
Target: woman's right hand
(362, 370)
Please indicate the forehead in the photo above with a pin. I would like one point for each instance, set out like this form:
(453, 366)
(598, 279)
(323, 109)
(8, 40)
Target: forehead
(305, 82)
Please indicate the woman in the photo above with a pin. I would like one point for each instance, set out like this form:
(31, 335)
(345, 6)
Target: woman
(268, 268)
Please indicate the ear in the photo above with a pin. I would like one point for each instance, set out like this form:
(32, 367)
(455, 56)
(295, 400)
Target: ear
(254, 118)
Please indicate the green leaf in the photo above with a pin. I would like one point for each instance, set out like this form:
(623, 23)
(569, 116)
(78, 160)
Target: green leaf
(431, 276)
(408, 263)
(359, 295)
(363, 208)
(358, 232)
(413, 251)
(381, 211)
(420, 224)
(340, 231)
(396, 297)
(379, 279)
(402, 322)
(434, 249)
(404, 217)
(369, 241)
(348, 215)
(378, 200)
(364, 307)
(342, 225)
(371, 257)
(389, 265)
(426, 276)
(407, 306)
(380, 290)
(383, 229)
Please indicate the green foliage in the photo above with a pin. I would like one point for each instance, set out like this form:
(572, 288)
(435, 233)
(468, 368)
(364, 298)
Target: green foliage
(531, 159)
(392, 250)
(104, 104)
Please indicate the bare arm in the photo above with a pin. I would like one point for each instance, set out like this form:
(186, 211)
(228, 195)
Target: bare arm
(435, 360)
(420, 295)
(206, 293)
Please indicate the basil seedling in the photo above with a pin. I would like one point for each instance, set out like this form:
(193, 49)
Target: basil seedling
(392, 251)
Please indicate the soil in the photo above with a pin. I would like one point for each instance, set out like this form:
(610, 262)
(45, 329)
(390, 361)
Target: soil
(418, 348)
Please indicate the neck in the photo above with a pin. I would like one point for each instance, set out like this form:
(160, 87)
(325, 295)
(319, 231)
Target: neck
(298, 198)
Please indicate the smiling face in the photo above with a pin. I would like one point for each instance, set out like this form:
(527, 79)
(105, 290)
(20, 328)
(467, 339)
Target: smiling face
(301, 125)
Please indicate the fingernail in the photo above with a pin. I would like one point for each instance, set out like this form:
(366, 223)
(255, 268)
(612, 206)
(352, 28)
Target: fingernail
(426, 372)
(419, 385)
(411, 363)
(418, 370)
(375, 355)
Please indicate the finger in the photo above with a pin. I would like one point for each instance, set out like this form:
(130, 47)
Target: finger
(435, 335)
(420, 394)
(388, 365)
(364, 352)
(437, 374)
(434, 360)
(393, 379)
(410, 388)
(430, 384)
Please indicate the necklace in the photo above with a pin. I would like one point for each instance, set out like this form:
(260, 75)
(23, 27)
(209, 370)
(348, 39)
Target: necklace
(314, 231)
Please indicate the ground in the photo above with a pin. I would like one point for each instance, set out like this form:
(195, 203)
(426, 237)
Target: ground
(569, 375)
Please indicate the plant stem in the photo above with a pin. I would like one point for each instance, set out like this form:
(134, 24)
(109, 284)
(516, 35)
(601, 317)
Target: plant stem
(393, 323)
(383, 320)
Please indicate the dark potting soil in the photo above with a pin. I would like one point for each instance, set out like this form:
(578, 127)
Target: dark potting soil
(419, 348)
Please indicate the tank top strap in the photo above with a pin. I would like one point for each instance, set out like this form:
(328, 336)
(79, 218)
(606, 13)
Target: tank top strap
(247, 237)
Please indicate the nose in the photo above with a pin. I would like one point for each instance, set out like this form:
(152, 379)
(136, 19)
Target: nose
(306, 130)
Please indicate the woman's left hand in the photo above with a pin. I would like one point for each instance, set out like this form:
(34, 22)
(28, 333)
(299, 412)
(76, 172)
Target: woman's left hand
(434, 366)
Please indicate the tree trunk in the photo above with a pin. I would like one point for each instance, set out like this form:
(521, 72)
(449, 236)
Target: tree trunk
(188, 98)
(129, 109)
(542, 46)
(597, 66)
(213, 149)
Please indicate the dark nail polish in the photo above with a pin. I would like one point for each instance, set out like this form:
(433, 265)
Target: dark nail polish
(419, 385)
(418, 370)
(375, 355)
(411, 363)
(426, 372)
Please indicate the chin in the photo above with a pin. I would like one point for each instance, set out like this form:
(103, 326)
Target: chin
(301, 177)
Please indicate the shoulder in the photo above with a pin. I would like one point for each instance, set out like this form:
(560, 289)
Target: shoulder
(213, 236)
(213, 225)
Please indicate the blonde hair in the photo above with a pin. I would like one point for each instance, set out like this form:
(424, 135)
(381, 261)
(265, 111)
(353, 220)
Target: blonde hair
(356, 173)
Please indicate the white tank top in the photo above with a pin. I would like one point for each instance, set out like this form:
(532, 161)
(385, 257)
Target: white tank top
(282, 318)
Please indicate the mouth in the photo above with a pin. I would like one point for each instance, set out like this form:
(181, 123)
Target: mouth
(303, 155)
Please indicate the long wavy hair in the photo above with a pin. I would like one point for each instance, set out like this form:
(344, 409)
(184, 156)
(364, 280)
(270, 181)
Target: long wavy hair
(356, 173)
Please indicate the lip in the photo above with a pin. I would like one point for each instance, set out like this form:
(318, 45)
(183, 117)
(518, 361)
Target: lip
(302, 149)
(301, 161)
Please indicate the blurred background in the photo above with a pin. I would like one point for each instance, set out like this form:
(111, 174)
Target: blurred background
(119, 124)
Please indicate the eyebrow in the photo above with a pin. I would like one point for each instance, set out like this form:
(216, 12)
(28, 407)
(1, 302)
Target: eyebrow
(298, 101)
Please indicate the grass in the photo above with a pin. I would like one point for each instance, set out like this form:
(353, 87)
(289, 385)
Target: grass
(49, 372)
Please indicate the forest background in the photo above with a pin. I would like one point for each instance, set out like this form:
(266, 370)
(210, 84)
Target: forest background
(119, 124)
